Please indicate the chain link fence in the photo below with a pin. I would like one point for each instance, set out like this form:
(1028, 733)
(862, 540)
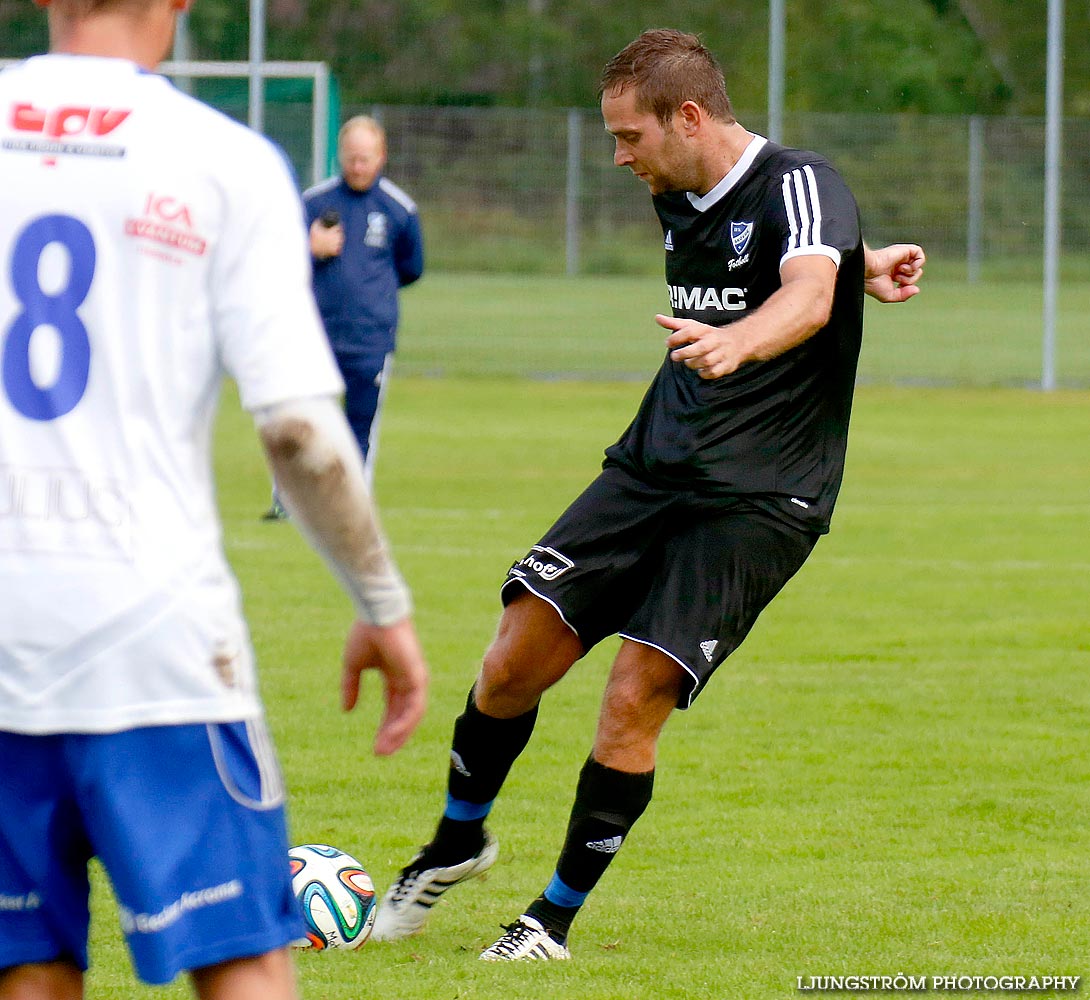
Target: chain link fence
(516, 189)
(512, 192)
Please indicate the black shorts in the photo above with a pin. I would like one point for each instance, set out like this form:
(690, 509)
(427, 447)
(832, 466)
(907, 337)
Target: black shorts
(684, 573)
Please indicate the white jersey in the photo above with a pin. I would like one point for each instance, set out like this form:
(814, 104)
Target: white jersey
(148, 246)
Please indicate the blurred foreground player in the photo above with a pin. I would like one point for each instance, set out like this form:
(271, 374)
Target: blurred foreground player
(150, 245)
(709, 502)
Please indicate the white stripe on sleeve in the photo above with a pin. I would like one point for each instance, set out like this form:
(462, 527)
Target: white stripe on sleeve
(806, 235)
(792, 218)
(803, 204)
(815, 203)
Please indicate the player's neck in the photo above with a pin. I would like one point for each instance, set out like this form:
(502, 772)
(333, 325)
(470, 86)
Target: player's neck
(115, 34)
(724, 153)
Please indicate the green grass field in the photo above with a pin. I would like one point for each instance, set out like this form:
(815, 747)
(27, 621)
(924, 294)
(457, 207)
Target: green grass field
(954, 334)
(891, 776)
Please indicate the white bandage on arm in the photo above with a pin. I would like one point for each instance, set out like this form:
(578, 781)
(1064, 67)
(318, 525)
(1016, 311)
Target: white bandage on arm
(319, 478)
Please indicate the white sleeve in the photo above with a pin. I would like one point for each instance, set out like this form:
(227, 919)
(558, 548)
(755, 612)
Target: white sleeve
(270, 335)
(320, 479)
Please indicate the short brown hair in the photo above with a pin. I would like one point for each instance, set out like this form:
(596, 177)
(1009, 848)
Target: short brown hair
(667, 68)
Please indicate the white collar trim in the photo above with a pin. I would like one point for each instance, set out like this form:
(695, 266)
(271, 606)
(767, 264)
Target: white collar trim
(703, 202)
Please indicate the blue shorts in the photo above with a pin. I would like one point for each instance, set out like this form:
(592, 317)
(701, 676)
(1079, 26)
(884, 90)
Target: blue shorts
(188, 822)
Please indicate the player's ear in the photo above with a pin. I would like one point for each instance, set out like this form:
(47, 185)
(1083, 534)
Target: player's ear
(689, 117)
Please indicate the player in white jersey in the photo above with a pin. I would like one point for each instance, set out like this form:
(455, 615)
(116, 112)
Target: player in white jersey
(149, 245)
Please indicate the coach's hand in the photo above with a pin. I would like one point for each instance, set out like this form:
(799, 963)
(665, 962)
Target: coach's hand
(325, 241)
(395, 652)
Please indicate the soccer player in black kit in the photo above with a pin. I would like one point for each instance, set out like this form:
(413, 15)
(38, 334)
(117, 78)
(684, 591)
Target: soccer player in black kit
(711, 500)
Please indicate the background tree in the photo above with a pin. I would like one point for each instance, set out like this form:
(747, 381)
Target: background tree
(928, 56)
(1014, 38)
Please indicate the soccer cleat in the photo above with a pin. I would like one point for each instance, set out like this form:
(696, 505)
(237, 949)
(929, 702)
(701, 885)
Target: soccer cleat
(276, 512)
(526, 940)
(415, 891)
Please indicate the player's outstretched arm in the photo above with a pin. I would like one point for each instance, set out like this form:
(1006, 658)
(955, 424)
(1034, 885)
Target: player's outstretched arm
(893, 273)
(319, 477)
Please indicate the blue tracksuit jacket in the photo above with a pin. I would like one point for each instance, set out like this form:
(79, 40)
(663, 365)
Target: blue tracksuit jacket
(383, 251)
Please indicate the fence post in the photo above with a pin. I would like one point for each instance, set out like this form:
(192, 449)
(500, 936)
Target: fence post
(572, 222)
(777, 46)
(1053, 154)
(182, 51)
(319, 168)
(257, 65)
(976, 196)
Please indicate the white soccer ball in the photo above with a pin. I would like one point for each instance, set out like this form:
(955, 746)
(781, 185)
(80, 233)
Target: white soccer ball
(335, 894)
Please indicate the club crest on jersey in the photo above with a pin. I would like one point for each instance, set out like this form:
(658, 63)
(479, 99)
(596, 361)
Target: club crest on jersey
(740, 234)
(376, 230)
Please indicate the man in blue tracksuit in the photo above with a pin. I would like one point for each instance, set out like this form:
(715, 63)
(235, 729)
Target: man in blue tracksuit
(365, 244)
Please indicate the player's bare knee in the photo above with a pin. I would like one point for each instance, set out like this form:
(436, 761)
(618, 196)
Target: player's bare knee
(636, 706)
(630, 720)
(624, 745)
(505, 686)
(269, 976)
(637, 693)
(44, 981)
(514, 675)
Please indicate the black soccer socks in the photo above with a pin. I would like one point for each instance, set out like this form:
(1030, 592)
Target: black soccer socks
(481, 755)
(607, 805)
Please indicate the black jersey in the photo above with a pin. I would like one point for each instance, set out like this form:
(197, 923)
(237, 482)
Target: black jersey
(775, 429)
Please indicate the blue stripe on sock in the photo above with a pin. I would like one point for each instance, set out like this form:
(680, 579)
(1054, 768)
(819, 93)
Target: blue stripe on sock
(459, 809)
(559, 894)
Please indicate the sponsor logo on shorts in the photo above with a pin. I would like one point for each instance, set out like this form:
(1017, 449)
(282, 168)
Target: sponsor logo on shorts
(546, 563)
(610, 845)
(152, 923)
(19, 904)
(707, 647)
